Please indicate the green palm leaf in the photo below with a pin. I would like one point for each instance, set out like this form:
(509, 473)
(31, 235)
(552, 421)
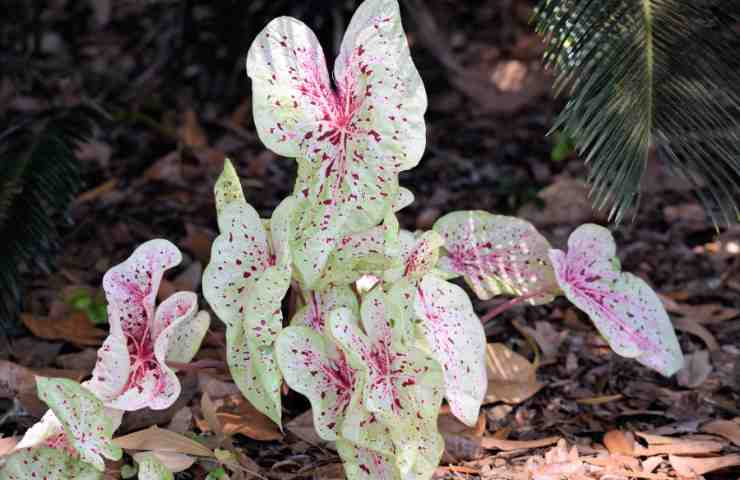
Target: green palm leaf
(649, 76)
(36, 185)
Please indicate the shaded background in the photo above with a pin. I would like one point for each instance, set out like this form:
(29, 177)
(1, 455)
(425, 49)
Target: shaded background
(169, 83)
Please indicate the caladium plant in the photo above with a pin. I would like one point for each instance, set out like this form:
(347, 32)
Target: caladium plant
(131, 372)
(378, 335)
(350, 139)
(71, 439)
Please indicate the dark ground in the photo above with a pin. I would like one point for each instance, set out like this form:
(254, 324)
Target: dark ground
(169, 77)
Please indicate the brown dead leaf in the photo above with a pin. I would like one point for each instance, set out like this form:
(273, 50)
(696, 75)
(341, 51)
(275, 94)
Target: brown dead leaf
(257, 166)
(209, 410)
(7, 444)
(491, 443)
(247, 420)
(198, 242)
(84, 360)
(175, 462)
(448, 424)
(705, 314)
(689, 325)
(617, 441)
(691, 467)
(511, 378)
(155, 438)
(302, 427)
(599, 400)
(660, 445)
(566, 202)
(724, 428)
(696, 369)
(191, 132)
(74, 328)
(462, 448)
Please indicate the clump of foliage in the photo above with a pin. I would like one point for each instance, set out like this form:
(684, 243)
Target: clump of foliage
(382, 336)
(131, 373)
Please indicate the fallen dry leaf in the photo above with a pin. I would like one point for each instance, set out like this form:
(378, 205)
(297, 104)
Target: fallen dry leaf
(74, 328)
(155, 438)
(84, 360)
(175, 462)
(617, 441)
(690, 466)
(724, 428)
(660, 445)
(689, 325)
(511, 378)
(302, 427)
(209, 410)
(198, 242)
(599, 400)
(191, 132)
(7, 444)
(491, 443)
(696, 369)
(448, 424)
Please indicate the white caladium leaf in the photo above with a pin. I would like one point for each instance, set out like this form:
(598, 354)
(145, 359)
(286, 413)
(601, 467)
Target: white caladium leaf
(245, 282)
(455, 336)
(46, 464)
(365, 464)
(497, 255)
(625, 310)
(228, 188)
(186, 338)
(350, 142)
(418, 256)
(82, 415)
(320, 302)
(131, 371)
(254, 370)
(402, 384)
(311, 367)
(151, 468)
(404, 198)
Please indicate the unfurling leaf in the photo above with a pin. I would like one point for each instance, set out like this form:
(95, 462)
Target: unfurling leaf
(350, 142)
(131, 372)
(625, 310)
(87, 428)
(228, 188)
(245, 282)
(497, 255)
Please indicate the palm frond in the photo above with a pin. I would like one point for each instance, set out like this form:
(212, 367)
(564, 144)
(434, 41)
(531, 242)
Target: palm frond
(648, 76)
(37, 184)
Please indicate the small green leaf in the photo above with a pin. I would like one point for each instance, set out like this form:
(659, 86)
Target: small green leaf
(46, 464)
(89, 430)
(228, 189)
(151, 468)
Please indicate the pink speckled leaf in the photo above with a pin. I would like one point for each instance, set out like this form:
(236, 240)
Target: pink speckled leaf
(255, 371)
(403, 385)
(127, 375)
(87, 427)
(418, 256)
(131, 287)
(350, 142)
(625, 310)
(310, 368)
(497, 255)
(46, 464)
(228, 188)
(320, 302)
(364, 464)
(456, 338)
(186, 338)
(240, 254)
(404, 198)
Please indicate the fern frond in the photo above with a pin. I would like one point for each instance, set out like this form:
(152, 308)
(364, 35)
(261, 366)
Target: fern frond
(36, 185)
(649, 76)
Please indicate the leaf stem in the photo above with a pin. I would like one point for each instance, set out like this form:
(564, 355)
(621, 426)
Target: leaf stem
(496, 311)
